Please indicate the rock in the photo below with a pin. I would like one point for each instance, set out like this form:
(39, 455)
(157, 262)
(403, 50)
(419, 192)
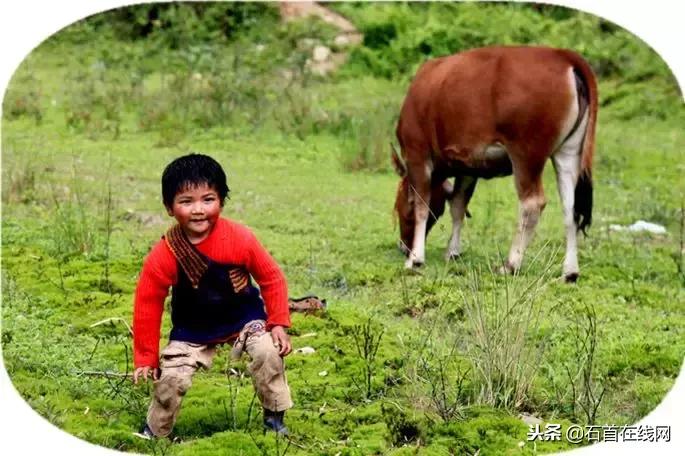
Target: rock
(530, 420)
(640, 226)
(305, 351)
(321, 53)
(341, 41)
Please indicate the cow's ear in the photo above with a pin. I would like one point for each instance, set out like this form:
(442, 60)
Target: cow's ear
(397, 162)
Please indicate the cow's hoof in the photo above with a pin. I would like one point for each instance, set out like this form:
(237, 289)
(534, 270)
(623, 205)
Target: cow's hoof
(413, 265)
(451, 256)
(506, 269)
(571, 277)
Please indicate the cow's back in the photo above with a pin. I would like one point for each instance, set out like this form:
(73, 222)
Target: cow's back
(485, 95)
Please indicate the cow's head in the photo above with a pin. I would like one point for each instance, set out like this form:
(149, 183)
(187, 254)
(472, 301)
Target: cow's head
(406, 198)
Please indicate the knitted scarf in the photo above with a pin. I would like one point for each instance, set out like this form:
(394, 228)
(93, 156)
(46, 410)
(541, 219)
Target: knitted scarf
(192, 262)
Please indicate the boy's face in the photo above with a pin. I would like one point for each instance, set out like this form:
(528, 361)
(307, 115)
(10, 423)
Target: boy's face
(196, 209)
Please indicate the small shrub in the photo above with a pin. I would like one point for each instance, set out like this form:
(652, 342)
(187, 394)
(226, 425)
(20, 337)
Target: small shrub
(437, 375)
(583, 384)
(94, 102)
(401, 429)
(367, 339)
(23, 98)
(446, 381)
(298, 112)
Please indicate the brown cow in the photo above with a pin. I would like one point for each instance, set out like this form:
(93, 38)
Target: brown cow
(489, 112)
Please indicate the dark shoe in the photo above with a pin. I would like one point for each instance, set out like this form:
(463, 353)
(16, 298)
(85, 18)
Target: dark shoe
(273, 421)
(145, 433)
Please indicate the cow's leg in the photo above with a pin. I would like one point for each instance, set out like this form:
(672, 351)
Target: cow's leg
(567, 166)
(421, 193)
(567, 169)
(463, 189)
(528, 179)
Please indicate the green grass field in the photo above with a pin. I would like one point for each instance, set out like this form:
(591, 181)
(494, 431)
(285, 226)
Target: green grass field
(83, 150)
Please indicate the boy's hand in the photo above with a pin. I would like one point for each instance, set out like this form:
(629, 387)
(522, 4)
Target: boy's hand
(144, 371)
(281, 340)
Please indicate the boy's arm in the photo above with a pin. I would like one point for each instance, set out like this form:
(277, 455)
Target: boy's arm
(271, 281)
(157, 275)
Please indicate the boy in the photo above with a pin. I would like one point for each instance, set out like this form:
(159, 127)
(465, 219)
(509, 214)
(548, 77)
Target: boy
(208, 261)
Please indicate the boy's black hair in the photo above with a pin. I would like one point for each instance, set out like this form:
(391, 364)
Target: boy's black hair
(192, 170)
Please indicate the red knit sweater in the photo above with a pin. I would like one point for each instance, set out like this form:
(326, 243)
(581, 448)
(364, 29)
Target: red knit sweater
(229, 242)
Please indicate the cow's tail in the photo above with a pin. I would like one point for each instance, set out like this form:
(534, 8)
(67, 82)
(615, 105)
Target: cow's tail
(582, 208)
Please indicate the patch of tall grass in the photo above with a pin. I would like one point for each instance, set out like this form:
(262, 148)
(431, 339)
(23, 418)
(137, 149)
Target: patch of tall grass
(491, 352)
(19, 178)
(502, 318)
(366, 140)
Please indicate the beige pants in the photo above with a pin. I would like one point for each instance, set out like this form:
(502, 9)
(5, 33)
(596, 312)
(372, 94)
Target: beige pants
(179, 361)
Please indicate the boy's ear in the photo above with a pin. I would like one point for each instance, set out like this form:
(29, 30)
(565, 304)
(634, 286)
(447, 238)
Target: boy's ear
(169, 211)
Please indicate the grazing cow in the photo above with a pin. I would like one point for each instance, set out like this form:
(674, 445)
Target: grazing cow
(491, 112)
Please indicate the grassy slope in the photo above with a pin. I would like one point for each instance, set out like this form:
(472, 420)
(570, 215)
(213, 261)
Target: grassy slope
(333, 235)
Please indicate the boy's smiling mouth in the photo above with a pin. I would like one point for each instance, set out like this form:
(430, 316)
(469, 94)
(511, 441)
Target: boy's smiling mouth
(198, 223)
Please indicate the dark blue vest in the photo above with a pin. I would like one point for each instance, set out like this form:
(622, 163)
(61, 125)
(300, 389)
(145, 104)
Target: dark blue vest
(223, 302)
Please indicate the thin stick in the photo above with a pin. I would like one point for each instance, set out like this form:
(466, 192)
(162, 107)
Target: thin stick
(107, 320)
(103, 373)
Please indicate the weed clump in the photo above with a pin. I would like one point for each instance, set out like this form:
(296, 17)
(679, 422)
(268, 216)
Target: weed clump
(402, 429)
